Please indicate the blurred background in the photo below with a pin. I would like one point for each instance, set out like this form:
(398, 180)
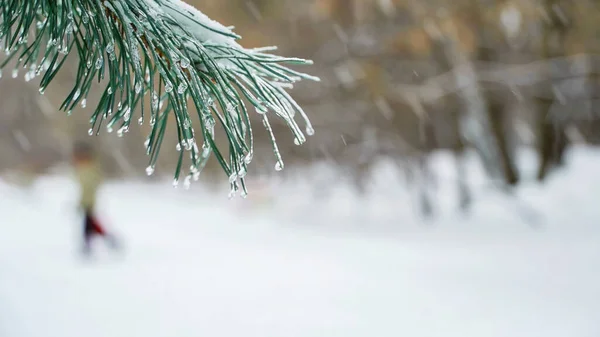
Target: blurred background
(481, 117)
(400, 80)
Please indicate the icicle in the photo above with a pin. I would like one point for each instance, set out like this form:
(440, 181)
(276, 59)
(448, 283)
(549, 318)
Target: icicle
(279, 164)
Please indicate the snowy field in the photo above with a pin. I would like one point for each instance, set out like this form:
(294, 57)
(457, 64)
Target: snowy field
(198, 264)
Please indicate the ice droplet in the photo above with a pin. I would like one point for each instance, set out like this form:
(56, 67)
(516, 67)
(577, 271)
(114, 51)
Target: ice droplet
(138, 87)
(175, 182)
(205, 151)
(182, 87)
(15, 73)
(0, 73)
(190, 144)
(69, 113)
(185, 63)
(109, 129)
(99, 62)
(248, 158)
(84, 103)
(110, 49)
(231, 194)
(309, 130)
(232, 178)
(90, 131)
(297, 141)
(242, 172)
(154, 101)
(178, 147)
(244, 194)
(141, 120)
(42, 90)
(279, 166)
(187, 182)
(168, 87)
(149, 170)
(110, 90)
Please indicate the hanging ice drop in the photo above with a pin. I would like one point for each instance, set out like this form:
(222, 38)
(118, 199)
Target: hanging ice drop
(279, 166)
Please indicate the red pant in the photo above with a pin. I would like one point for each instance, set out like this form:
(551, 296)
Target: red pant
(92, 226)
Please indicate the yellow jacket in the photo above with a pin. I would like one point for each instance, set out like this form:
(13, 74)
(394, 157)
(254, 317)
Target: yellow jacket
(89, 176)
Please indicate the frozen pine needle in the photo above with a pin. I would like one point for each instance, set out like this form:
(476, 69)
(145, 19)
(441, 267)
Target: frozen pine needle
(165, 48)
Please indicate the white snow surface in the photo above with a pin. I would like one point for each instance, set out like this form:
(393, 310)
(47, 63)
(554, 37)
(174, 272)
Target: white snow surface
(197, 264)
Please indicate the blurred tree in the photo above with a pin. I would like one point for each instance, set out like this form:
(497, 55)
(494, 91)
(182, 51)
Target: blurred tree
(552, 137)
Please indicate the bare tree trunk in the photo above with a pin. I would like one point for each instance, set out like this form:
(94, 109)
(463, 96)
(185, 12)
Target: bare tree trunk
(552, 139)
(495, 108)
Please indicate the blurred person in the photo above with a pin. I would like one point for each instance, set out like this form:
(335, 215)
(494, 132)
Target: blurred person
(89, 177)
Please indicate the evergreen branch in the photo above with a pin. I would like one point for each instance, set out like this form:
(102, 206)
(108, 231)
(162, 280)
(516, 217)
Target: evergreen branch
(165, 49)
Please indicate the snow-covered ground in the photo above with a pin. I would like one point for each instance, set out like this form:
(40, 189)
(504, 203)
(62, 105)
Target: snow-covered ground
(198, 264)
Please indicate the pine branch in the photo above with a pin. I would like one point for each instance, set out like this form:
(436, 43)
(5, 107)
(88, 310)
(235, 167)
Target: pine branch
(165, 49)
